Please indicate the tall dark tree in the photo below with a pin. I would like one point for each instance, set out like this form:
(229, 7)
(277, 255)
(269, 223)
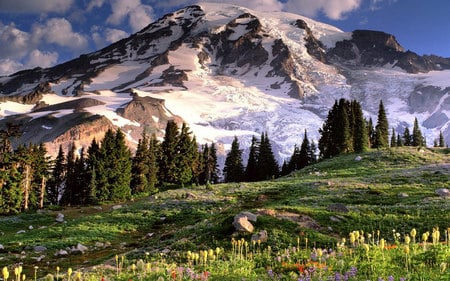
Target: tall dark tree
(399, 140)
(57, 178)
(393, 138)
(153, 168)
(251, 170)
(168, 161)
(360, 133)
(121, 178)
(140, 167)
(304, 157)
(234, 169)
(294, 161)
(92, 168)
(71, 192)
(407, 138)
(186, 153)
(342, 132)
(417, 138)
(441, 139)
(371, 133)
(328, 132)
(267, 165)
(382, 128)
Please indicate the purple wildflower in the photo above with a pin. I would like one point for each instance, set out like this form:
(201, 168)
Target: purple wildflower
(391, 278)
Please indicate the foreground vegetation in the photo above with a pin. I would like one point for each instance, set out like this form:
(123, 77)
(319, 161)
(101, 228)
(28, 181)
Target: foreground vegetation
(186, 234)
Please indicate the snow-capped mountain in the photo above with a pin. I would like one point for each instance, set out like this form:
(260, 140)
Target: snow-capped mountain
(227, 71)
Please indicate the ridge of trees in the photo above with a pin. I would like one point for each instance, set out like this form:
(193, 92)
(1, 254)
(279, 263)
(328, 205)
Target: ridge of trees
(107, 171)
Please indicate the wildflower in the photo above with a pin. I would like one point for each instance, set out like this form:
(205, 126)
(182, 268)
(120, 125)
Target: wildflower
(390, 278)
(5, 273)
(382, 244)
(407, 239)
(443, 267)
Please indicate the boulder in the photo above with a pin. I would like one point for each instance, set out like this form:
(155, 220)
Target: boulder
(261, 236)
(250, 216)
(39, 249)
(2, 247)
(358, 158)
(443, 192)
(116, 207)
(338, 207)
(80, 248)
(60, 218)
(241, 224)
(61, 253)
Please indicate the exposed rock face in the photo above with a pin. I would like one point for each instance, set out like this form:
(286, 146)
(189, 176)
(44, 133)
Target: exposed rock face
(314, 47)
(376, 48)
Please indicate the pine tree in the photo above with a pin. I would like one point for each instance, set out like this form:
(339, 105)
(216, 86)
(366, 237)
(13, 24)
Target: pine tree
(70, 187)
(251, 170)
(294, 161)
(371, 133)
(121, 177)
(312, 152)
(186, 153)
(167, 163)
(92, 168)
(213, 166)
(399, 140)
(342, 133)
(407, 141)
(417, 138)
(153, 168)
(327, 143)
(304, 158)
(441, 139)
(360, 134)
(57, 178)
(393, 138)
(381, 129)
(140, 168)
(234, 169)
(266, 163)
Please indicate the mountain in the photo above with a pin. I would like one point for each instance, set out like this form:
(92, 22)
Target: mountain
(227, 71)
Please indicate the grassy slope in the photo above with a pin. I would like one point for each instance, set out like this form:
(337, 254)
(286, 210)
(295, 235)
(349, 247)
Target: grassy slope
(197, 218)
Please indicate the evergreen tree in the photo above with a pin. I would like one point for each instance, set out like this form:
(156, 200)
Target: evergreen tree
(371, 133)
(168, 161)
(71, 191)
(312, 152)
(360, 133)
(441, 139)
(92, 168)
(234, 169)
(304, 157)
(342, 131)
(153, 168)
(251, 170)
(393, 138)
(186, 153)
(56, 182)
(417, 138)
(212, 164)
(120, 178)
(328, 143)
(140, 167)
(399, 141)
(285, 169)
(407, 140)
(294, 161)
(381, 129)
(266, 163)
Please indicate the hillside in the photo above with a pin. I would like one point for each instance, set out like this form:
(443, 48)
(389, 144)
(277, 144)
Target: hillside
(384, 190)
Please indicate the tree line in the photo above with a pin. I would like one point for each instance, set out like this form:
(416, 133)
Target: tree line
(108, 172)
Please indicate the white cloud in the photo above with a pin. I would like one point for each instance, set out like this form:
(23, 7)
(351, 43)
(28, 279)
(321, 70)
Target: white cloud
(95, 4)
(103, 37)
(138, 15)
(35, 6)
(113, 35)
(14, 43)
(8, 66)
(333, 9)
(59, 31)
(378, 4)
(41, 59)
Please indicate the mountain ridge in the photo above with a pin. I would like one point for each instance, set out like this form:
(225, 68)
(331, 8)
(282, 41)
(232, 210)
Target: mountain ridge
(226, 71)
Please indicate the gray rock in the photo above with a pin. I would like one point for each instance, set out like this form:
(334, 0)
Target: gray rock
(98, 208)
(60, 217)
(61, 253)
(30, 227)
(190, 195)
(20, 231)
(338, 207)
(242, 224)
(260, 236)
(443, 192)
(250, 216)
(2, 247)
(358, 158)
(116, 207)
(335, 219)
(39, 249)
(38, 259)
(80, 248)
(403, 195)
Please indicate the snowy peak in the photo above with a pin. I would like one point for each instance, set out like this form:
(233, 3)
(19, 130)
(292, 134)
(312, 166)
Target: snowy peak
(227, 71)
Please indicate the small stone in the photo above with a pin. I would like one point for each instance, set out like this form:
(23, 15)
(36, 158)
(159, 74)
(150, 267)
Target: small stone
(358, 158)
(2, 247)
(403, 195)
(443, 192)
(60, 217)
(335, 219)
(165, 251)
(39, 249)
(116, 207)
(80, 248)
(38, 259)
(30, 227)
(260, 236)
(149, 235)
(20, 231)
(61, 253)
(98, 208)
(190, 195)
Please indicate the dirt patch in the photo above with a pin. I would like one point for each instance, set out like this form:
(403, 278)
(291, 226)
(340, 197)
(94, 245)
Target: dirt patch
(300, 219)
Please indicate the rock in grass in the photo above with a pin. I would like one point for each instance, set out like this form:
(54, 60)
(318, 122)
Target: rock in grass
(61, 253)
(250, 216)
(2, 247)
(60, 217)
(358, 158)
(403, 195)
(39, 249)
(261, 236)
(338, 207)
(116, 207)
(242, 224)
(443, 192)
(80, 248)
(20, 231)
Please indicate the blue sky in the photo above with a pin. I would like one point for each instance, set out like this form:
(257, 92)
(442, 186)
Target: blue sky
(47, 32)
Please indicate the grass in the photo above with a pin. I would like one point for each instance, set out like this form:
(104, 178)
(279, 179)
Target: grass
(175, 221)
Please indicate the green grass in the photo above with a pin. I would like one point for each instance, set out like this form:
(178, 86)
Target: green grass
(197, 218)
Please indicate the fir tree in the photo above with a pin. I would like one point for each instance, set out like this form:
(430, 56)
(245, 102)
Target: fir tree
(360, 133)
(70, 187)
(371, 132)
(266, 163)
(234, 169)
(212, 164)
(381, 129)
(57, 179)
(407, 141)
(417, 138)
(328, 143)
(186, 153)
(92, 168)
(168, 161)
(441, 139)
(121, 170)
(153, 168)
(393, 138)
(304, 157)
(140, 168)
(251, 170)
(294, 161)
(342, 135)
